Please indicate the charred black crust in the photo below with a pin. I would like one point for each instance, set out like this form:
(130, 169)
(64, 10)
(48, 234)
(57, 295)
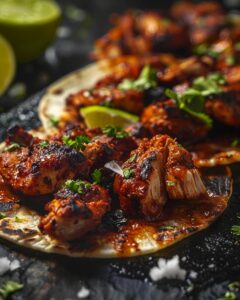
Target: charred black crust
(81, 210)
(63, 152)
(146, 166)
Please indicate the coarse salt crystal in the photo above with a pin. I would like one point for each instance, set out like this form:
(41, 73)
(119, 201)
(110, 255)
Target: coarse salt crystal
(83, 293)
(167, 269)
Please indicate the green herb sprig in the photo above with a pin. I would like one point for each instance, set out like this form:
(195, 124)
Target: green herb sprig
(192, 100)
(77, 186)
(79, 143)
(128, 173)
(9, 288)
(96, 176)
(12, 147)
(114, 131)
(146, 80)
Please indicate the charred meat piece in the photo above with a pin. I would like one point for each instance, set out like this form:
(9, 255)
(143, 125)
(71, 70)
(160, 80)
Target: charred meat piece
(75, 211)
(141, 34)
(204, 20)
(166, 118)
(104, 148)
(141, 188)
(130, 100)
(150, 173)
(185, 69)
(225, 107)
(39, 167)
(183, 180)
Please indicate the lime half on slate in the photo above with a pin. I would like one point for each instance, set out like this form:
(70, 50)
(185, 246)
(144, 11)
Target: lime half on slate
(7, 65)
(29, 25)
(100, 116)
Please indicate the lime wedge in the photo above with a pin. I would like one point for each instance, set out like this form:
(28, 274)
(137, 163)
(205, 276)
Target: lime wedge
(29, 25)
(7, 65)
(100, 116)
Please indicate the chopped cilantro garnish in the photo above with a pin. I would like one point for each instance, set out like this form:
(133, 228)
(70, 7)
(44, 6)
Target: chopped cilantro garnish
(12, 147)
(167, 227)
(44, 144)
(192, 100)
(9, 288)
(235, 143)
(128, 173)
(78, 143)
(204, 49)
(2, 215)
(170, 183)
(191, 104)
(77, 186)
(18, 220)
(228, 296)
(54, 121)
(230, 60)
(132, 158)
(114, 131)
(146, 80)
(236, 230)
(96, 176)
(234, 285)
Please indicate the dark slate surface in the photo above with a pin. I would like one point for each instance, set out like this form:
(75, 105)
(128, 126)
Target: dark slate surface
(213, 254)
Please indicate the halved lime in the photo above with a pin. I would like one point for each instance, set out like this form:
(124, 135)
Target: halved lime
(100, 116)
(7, 65)
(29, 25)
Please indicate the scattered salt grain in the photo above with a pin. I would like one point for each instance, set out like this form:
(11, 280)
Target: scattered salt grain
(83, 293)
(15, 264)
(167, 269)
(6, 265)
(193, 274)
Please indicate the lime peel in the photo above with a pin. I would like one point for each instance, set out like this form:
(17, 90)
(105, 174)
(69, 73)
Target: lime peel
(7, 65)
(100, 116)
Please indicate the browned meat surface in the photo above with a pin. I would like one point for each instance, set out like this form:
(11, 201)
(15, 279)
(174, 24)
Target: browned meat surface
(204, 20)
(103, 149)
(225, 107)
(157, 169)
(140, 33)
(72, 214)
(185, 69)
(36, 167)
(130, 100)
(165, 118)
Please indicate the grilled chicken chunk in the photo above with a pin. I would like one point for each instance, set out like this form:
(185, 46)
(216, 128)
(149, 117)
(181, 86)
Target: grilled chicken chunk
(103, 149)
(183, 180)
(204, 20)
(165, 118)
(36, 167)
(140, 34)
(74, 213)
(185, 69)
(130, 100)
(157, 169)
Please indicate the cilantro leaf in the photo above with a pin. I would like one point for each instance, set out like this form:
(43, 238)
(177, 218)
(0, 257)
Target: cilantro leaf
(204, 49)
(96, 176)
(128, 173)
(77, 186)
(192, 100)
(114, 131)
(12, 147)
(54, 121)
(9, 288)
(44, 144)
(146, 80)
(78, 143)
